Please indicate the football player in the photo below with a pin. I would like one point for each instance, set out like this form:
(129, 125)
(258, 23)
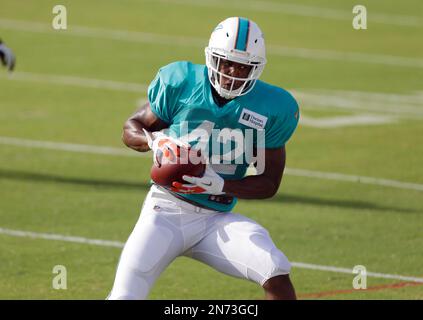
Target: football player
(7, 57)
(195, 219)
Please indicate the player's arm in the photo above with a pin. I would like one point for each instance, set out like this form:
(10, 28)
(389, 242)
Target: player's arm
(264, 185)
(133, 135)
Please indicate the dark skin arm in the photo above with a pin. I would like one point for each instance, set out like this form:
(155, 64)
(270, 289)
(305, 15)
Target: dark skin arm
(262, 186)
(133, 135)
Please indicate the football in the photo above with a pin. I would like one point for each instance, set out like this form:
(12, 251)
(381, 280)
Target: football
(172, 162)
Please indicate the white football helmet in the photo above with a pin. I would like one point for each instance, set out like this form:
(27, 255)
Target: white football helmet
(239, 40)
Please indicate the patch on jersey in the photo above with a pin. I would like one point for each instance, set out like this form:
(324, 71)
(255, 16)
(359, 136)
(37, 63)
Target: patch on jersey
(252, 119)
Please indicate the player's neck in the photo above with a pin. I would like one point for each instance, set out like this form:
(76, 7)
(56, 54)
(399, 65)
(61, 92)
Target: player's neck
(220, 101)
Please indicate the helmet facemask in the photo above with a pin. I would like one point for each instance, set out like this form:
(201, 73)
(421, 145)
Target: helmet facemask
(214, 58)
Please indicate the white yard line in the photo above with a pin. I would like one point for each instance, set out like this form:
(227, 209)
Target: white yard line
(76, 81)
(162, 39)
(320, 54)
(92, 149)
(416, 98)
(345, 121)
(353, 178)
(59, 237)
(404, 105)
(117, 244)
(302, 10)
(350, 271)
(71, 147)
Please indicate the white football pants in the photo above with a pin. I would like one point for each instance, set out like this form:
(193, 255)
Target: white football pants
(169, 227)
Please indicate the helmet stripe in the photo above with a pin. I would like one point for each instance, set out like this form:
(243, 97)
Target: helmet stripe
(242, 35)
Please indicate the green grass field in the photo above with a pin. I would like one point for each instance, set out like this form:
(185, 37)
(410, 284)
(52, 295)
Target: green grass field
(78, 86)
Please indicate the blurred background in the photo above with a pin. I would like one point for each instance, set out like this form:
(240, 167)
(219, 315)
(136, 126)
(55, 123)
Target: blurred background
(352, 191)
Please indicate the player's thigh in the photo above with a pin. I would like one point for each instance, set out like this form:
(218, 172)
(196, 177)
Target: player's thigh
(239, 246)
(152, 246)
(152, 241)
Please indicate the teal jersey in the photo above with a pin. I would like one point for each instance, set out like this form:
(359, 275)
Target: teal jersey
(266, 117)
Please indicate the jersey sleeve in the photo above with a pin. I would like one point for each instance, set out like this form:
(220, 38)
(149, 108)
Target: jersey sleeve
(162, 98)
(283, 126)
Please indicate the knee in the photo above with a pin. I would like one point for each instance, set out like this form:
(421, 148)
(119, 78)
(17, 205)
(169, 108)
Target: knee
(279, 264)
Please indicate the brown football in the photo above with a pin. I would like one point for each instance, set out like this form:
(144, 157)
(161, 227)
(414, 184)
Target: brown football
(173, 162)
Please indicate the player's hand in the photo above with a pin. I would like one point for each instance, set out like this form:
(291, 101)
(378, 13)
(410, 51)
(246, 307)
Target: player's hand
(162, 144)
(210, 183)
(7, 57)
